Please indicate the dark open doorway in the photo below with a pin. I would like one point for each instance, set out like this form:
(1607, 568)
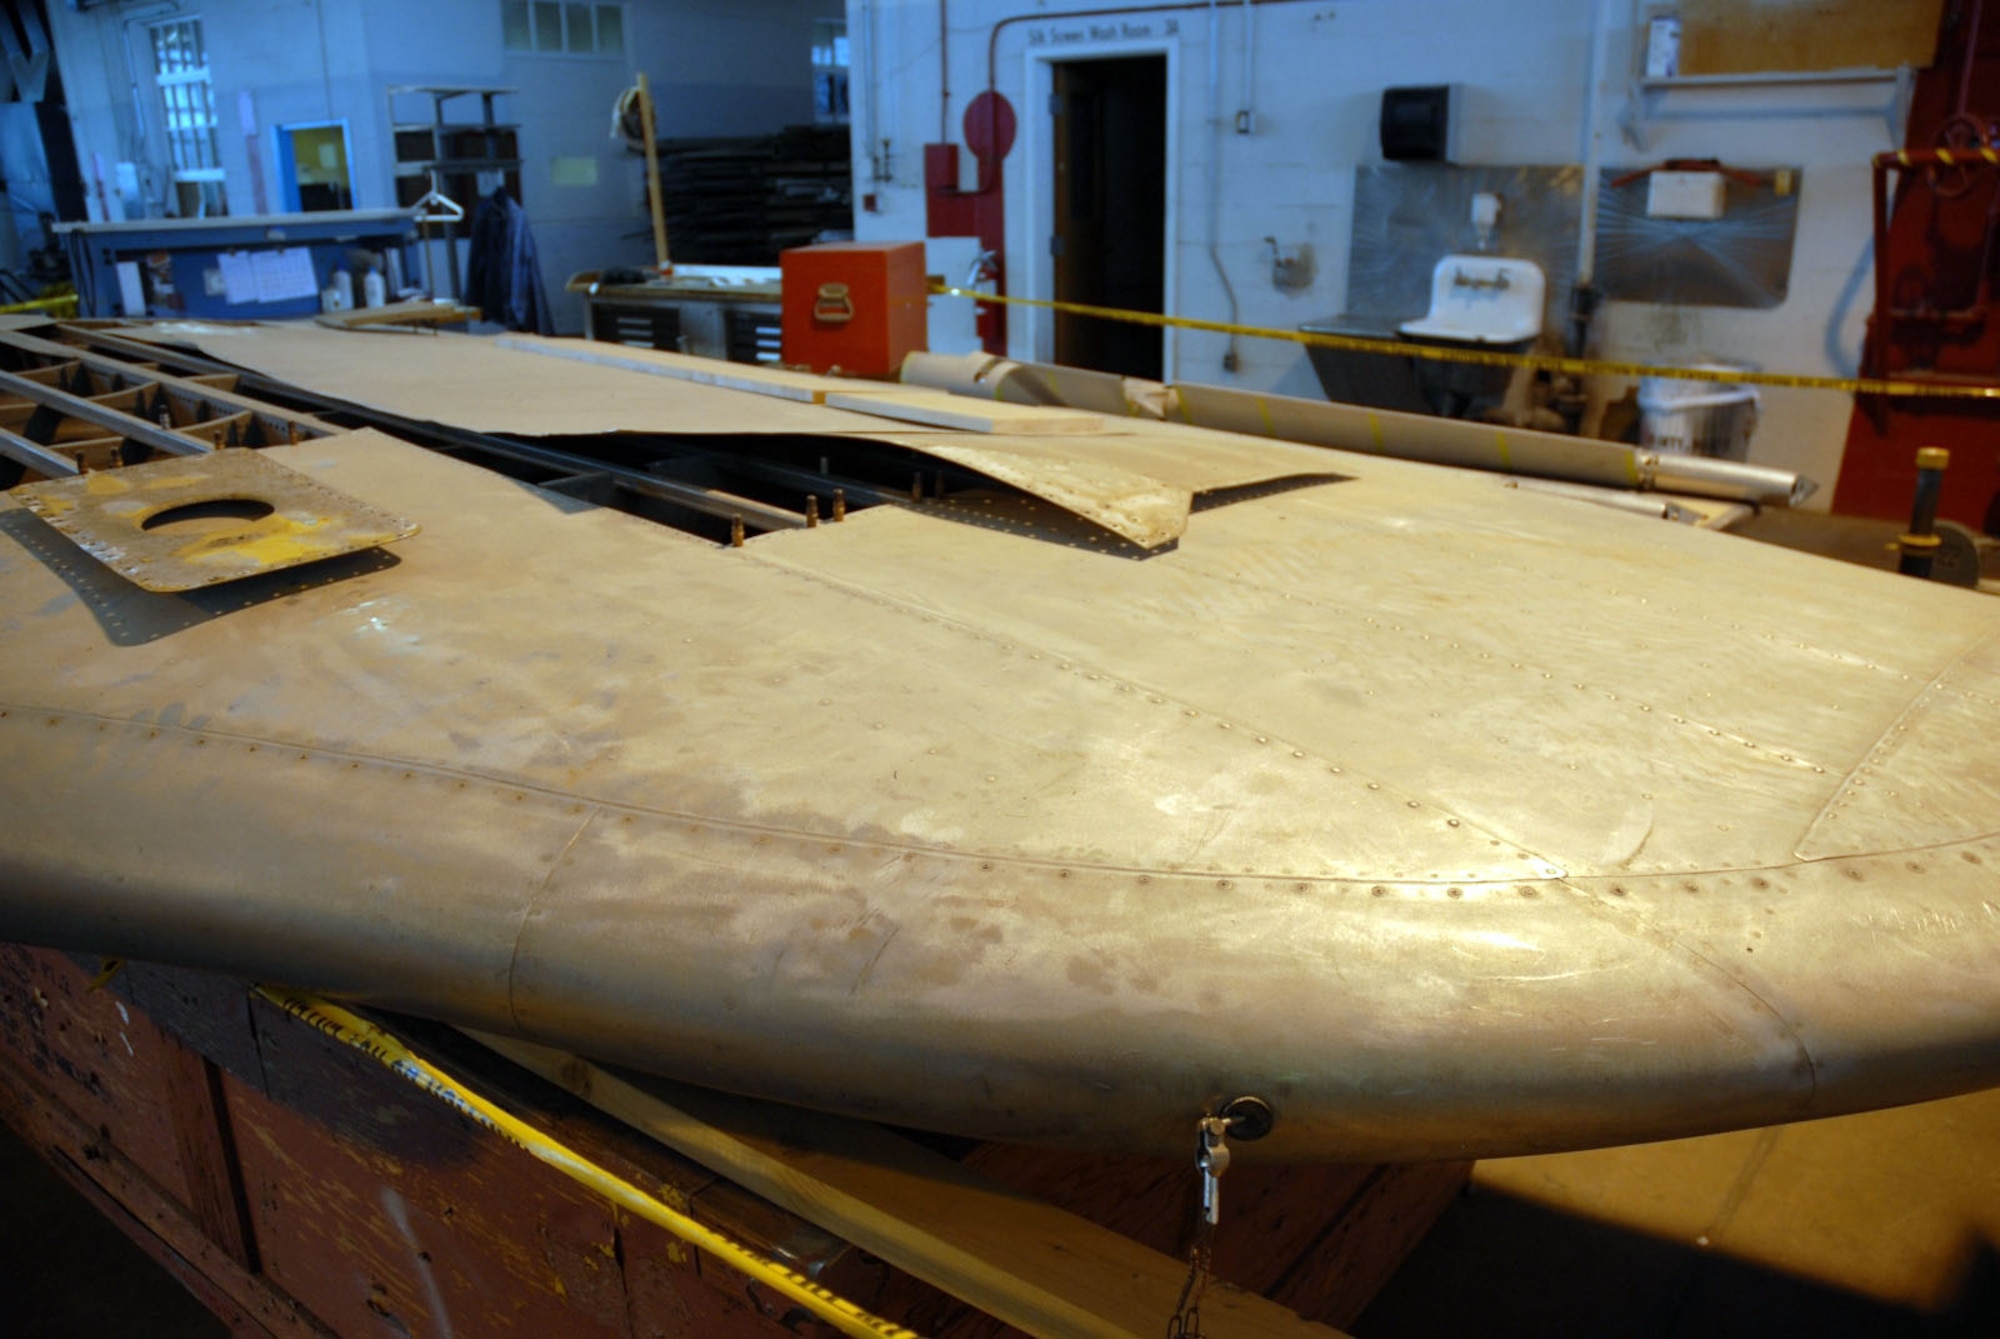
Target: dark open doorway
(1110, 208)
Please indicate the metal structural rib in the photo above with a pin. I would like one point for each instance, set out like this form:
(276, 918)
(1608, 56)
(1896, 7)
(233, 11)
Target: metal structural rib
(1447, 818)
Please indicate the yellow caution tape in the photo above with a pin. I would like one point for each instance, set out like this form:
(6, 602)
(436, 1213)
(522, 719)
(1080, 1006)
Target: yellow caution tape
(357, 1032)
(1487, 358)
(1946, 157)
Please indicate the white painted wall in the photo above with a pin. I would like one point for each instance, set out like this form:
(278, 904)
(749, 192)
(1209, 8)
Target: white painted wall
(1317, 68)
(736, 68)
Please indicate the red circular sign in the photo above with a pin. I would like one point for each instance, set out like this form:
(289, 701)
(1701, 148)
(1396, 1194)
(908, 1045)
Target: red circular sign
(989, 126)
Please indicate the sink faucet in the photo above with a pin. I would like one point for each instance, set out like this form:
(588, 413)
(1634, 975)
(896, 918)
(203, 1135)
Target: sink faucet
(1460, 279)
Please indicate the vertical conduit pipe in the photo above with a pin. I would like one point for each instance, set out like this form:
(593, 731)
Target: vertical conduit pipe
(1249, 122)
(1229, 360)
(944, 72)
(1593, 142)
(1582, 298)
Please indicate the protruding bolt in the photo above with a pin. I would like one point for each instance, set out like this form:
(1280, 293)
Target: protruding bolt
(812, 511)
(736, 531)
(839, 504)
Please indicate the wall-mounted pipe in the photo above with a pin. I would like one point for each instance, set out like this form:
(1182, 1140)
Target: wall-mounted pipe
(1230, 357)
(1593, 140)
(1583, 292)
(1246, 117)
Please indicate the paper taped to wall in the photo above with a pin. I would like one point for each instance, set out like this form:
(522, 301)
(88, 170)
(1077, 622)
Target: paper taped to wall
(284, 274)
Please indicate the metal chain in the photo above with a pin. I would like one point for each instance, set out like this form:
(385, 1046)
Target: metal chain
(1185, 1323)
(1211, 1160)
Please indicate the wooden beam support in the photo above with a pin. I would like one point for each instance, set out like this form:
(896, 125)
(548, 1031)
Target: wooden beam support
(1017, 1259)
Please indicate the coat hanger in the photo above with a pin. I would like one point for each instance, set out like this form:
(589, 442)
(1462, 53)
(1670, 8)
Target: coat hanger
(436, 207)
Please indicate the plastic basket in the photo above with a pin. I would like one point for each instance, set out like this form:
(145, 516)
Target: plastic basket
(1696, 418)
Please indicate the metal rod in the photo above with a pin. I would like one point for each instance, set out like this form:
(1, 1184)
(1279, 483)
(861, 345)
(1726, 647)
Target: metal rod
(96, 362)
(771, 471)
(75, 406)
(708, 501)
(1733, 480)
(36, 456)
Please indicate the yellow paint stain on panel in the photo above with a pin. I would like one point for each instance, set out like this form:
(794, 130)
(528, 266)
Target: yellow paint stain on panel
(277, 541)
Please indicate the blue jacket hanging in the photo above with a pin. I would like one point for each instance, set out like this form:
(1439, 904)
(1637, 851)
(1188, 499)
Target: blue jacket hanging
(503, 276)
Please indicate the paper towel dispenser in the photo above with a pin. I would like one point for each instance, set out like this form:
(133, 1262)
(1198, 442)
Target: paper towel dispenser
(1417, 124)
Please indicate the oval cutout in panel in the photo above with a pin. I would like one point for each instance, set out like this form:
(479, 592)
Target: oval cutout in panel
(209, 516)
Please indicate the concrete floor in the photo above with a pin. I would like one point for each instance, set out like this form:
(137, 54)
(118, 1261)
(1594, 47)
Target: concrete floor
(1885, 1225)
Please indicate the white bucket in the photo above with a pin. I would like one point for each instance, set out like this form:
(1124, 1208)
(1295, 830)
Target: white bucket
(1697, 418)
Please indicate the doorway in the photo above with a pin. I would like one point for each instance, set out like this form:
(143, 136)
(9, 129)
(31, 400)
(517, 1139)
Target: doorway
(1109, 239)
(312, 167)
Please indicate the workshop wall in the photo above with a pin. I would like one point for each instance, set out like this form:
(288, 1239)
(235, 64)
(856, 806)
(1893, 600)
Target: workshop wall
(736, 68)
(1309, 93)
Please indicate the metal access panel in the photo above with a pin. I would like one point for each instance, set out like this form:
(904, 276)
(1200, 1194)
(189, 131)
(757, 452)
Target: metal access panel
(190, 522)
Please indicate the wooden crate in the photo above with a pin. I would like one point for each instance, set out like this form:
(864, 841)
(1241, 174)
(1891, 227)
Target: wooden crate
(298, 1188)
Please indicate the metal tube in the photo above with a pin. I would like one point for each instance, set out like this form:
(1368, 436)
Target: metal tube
(1593, 144)
(708, 501)
(36, 457)
(1642, 504)
(189, 386)
(1702, 476)
(125, 425)
(1247, 125)
(1229, 361)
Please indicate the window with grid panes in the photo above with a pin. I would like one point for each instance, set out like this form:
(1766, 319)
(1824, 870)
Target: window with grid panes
(187, 101)
(560, 27)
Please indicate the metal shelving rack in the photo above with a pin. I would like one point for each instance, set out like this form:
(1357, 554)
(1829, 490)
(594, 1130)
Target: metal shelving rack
(469, 157)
